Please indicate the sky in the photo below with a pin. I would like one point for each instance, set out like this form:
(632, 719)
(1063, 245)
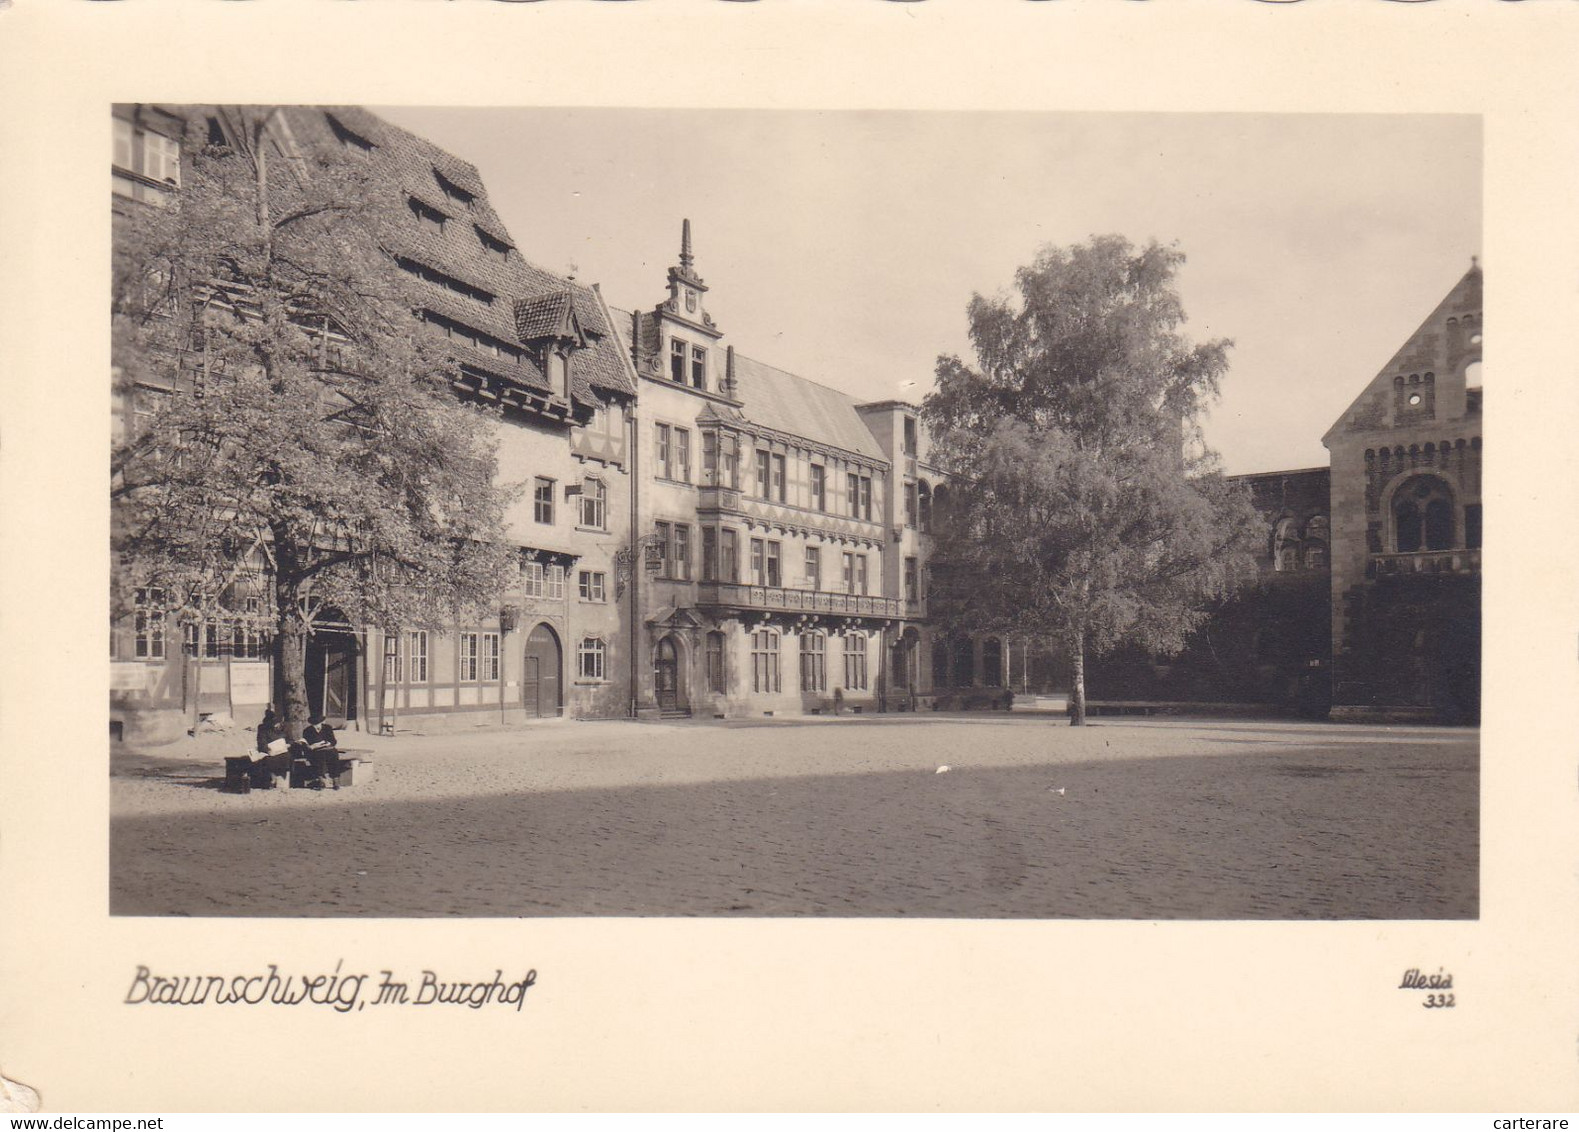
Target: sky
(844, 245)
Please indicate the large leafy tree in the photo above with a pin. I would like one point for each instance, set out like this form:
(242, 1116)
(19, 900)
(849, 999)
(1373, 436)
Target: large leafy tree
(309, 455)
(1083, 506)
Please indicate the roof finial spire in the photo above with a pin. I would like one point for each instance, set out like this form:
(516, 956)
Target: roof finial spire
(686, 259)
(1474, 262)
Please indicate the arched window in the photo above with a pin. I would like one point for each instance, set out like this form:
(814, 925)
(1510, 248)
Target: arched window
(992, 662)
(715, 663)
(964, 662)
(1285, 544)
(1423, 516)
(924, 492)
(813, 662)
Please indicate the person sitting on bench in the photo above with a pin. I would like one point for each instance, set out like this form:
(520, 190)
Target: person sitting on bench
(321, 754)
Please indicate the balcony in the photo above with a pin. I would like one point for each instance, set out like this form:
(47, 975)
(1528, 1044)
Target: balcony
(718, 499)
(1425, 562)
(777, 599)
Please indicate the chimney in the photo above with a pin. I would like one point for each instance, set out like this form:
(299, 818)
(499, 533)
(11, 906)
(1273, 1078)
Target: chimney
(729, 389)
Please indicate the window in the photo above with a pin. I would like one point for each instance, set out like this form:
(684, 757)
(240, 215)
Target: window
(490, 656)
(813, 568)
(466, 658)
(764, 462)
(858, 490)
(594, 504)
(663, 451)
(417, 651)
(849, 572)
(709, 554)
(819, 487)
(778, 477)
(715, 663)
(698, 367)
(391, 658)
(728, 556)
(1423, 516)
(764, 661)
(860, 574)
(774, 577)
(855, 660)
(543, 500)
(912, 581)
(451, 190)
(591, 658)
(720, 460)
(148, 624)
(924, 494)
(675, 539)
(592, 585)
(544, 581)
(147, 157)
(680, 565)
(430, 218)
(910, 437)
(813, 663)
(682, 455)
(677, 352)
(992, 662)
(912, 507)
(758, 562)
(497, 249)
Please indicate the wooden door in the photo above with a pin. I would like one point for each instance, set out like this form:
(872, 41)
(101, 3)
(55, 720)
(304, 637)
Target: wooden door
(668, 682)
(540, 673)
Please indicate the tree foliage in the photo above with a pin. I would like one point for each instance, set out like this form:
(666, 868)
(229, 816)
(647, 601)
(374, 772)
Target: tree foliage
(1083, 505)
(307, 451)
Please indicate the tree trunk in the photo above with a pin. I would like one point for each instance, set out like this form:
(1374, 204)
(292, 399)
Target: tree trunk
(1077, 680)
(293, 661)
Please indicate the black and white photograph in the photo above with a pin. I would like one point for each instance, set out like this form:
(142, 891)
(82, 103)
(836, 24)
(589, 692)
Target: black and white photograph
(694, 556)
(921, 514)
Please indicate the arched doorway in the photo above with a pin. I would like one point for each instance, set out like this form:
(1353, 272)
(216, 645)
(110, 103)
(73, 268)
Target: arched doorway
(331, 669)
(540, 673)
(669, 679)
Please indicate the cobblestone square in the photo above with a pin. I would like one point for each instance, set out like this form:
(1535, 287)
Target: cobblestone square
(1127, 819)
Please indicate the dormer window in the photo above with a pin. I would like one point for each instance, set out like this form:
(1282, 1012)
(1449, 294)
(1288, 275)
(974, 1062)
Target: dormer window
(698, 367)
(678, 353)
(496, 249)
(430, 218)
(452, 191)
(353, 141)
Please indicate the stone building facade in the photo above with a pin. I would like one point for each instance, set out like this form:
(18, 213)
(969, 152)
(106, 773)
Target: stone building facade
(705, 534)
(543, 350)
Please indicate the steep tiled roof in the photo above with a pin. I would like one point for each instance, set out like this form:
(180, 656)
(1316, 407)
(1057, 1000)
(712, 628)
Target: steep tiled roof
(415, 167)
(787, 403)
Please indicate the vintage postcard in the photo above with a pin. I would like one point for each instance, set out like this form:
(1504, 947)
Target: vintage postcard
(716, 557)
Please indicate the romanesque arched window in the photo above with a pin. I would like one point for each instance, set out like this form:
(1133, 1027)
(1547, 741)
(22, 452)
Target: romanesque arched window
(1423, 516)
(992, 662)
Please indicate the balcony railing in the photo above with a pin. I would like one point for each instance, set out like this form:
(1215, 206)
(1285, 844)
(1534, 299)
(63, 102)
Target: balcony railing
(737, 595)
(1426, 562)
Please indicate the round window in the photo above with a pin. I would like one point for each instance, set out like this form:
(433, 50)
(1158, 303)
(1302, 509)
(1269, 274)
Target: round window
(1414, 398)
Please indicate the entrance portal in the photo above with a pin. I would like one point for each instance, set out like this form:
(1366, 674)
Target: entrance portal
(331, 667)
(670, 689)
(540, 674)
